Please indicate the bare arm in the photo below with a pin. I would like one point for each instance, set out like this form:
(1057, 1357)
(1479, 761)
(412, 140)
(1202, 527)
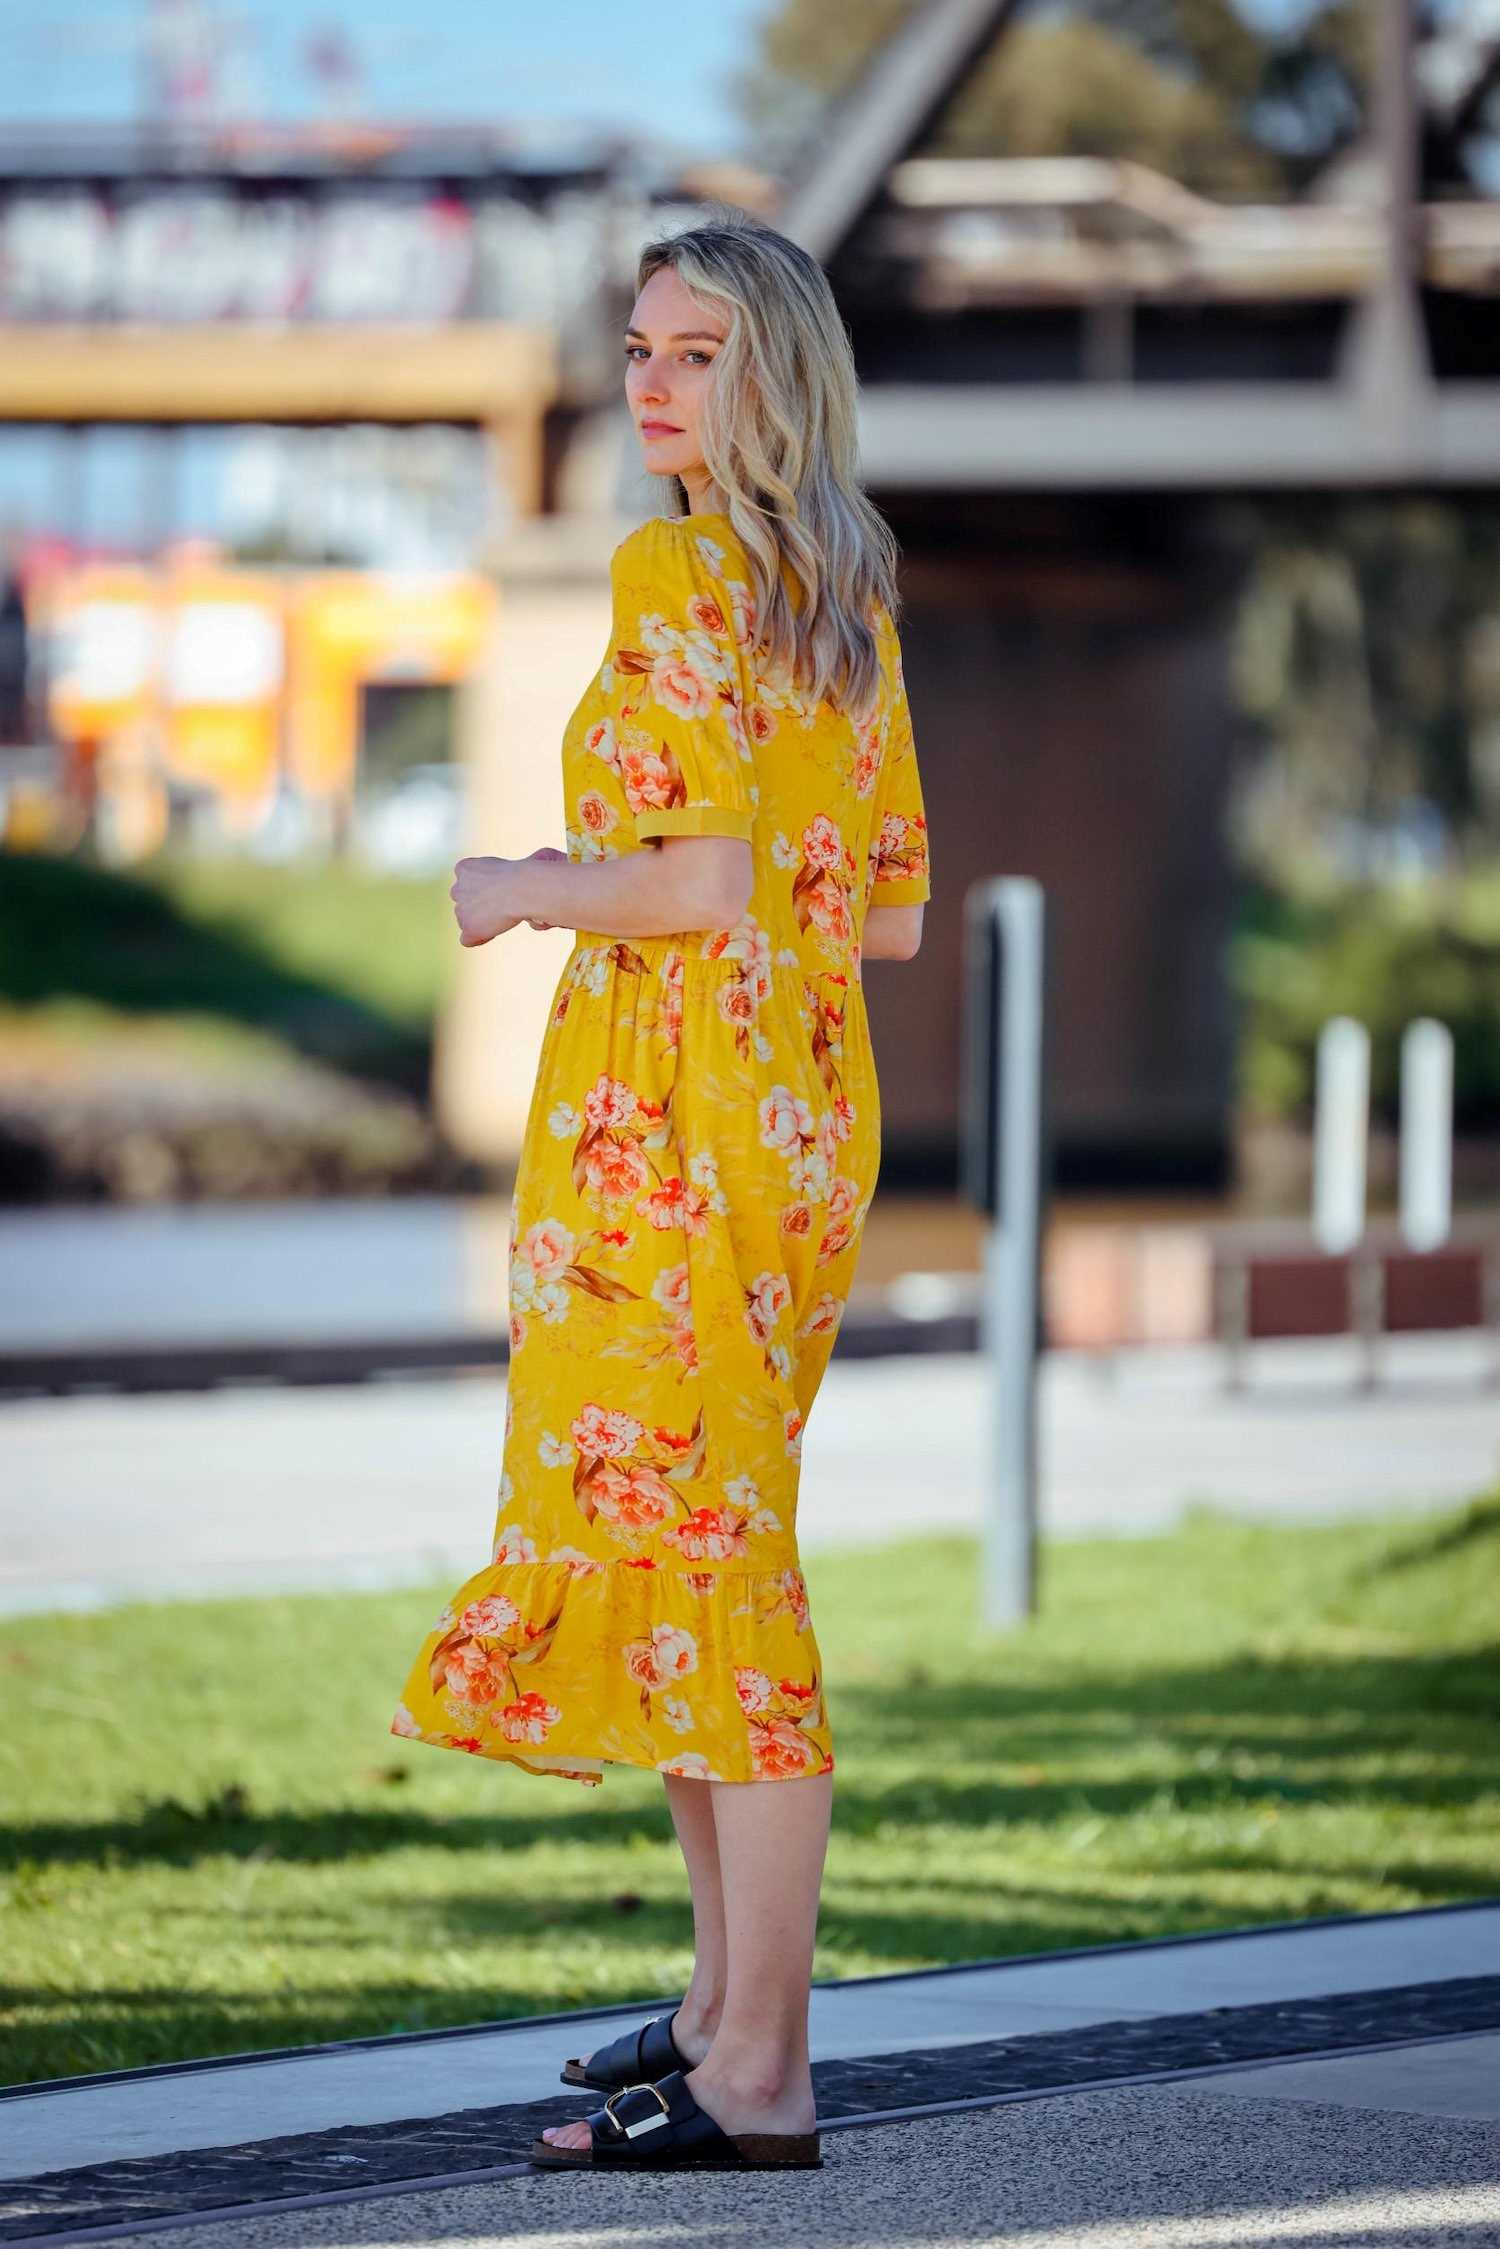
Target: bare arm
(671, 883)
(892, 933)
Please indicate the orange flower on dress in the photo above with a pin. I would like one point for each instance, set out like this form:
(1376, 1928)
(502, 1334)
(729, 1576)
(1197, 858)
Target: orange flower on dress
(472, 1678)
(528, 1718)
(778, 1750)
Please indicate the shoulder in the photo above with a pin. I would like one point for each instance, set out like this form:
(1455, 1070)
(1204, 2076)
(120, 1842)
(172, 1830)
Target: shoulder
(660, 541)
(675, 550)
(680, 574)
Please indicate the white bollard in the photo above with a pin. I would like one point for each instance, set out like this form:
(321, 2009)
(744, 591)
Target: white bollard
(1426, 1133)
(1341, 1126)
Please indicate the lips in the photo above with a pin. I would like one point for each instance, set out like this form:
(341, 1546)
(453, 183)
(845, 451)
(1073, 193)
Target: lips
(660, 429)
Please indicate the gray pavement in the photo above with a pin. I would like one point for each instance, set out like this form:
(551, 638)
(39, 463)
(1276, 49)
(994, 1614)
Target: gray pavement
(391, 1482)
(1211, 2165)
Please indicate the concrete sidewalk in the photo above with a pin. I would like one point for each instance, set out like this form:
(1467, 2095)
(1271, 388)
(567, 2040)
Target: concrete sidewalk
(1193, 2139)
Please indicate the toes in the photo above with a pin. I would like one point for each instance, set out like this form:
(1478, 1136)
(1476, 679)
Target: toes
(566, 2135)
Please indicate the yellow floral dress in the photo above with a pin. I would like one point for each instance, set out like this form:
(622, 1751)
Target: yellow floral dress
(701, 1151)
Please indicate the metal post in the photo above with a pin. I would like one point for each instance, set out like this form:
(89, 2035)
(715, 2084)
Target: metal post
(1004, 1171)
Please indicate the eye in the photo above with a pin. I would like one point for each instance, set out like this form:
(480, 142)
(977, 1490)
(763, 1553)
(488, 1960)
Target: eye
(692, 353)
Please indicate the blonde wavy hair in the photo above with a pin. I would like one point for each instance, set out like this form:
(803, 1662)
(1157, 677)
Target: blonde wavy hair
(778, 430)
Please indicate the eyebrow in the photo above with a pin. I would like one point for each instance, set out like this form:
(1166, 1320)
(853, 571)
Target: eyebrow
(683, 336)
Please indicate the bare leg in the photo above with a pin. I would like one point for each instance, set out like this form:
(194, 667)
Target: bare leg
(692, 1812)
(772, 1841)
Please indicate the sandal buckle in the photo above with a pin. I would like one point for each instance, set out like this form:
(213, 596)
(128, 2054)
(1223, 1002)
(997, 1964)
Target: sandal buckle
(646, 2123)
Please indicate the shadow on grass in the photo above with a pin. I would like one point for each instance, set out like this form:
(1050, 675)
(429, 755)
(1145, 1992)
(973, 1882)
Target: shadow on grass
(1306, 1729)
(72, 930)
(1471, 1529)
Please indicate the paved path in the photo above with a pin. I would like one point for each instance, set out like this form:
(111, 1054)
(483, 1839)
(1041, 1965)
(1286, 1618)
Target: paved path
(391, 1482)
(1396, 2145)
(1150, 2167)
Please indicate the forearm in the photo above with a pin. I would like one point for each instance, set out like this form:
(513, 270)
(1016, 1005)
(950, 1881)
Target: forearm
(643, 893)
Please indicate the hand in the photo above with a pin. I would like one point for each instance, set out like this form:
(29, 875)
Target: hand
(478, 893)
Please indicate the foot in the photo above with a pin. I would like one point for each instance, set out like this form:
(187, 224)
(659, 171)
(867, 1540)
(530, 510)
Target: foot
(736, 2102)
(692, 2036)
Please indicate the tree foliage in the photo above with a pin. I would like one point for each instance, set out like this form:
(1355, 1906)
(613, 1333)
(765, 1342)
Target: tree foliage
(1367, 653)
(1188, 86)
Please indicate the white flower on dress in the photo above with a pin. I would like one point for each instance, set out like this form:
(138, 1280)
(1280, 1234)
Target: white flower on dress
(770, 1294)
(784, 853)
(404, 1724)
(554, 1452)
(564, 1121)
(670, 1289)
(785, 1119)
(607, 1432)
(677, 1714)
(670, 1653)
(547, 1247)
(690, 1764)
(703, 1171)
(826, 1312)
(493, 1614)
(810, 1173)
(512, 1545)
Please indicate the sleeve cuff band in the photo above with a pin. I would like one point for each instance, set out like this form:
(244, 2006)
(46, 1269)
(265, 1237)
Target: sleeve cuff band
(909, 890)
(696, 820)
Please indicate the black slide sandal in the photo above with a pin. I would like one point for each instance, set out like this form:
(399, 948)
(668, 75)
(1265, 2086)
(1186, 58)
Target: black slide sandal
(638, 2057)
(660, 2127)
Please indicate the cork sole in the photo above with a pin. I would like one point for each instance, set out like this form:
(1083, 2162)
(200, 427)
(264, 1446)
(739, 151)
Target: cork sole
(754, 2151)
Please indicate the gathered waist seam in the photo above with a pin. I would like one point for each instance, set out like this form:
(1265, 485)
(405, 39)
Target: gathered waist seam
(656, 951)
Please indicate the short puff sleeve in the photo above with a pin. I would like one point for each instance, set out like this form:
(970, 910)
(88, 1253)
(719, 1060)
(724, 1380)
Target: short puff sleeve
(678, 694)
(899, 869)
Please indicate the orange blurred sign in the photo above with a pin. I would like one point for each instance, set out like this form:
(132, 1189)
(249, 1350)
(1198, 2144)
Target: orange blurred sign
(348, 629)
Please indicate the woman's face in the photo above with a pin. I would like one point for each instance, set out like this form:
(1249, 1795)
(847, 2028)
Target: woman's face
(670, 348)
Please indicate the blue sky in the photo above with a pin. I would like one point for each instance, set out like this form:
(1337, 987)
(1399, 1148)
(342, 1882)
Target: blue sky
(577, 62)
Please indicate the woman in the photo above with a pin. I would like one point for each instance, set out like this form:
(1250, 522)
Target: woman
(745, 828)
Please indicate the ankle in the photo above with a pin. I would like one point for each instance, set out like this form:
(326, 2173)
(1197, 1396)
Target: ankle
(700, 2014)
(756, 2068)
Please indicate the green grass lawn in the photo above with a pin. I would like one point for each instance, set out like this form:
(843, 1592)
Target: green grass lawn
(213, 1844)
(335, 962)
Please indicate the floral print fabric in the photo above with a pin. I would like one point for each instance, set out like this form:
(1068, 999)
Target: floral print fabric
(699, 1156)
